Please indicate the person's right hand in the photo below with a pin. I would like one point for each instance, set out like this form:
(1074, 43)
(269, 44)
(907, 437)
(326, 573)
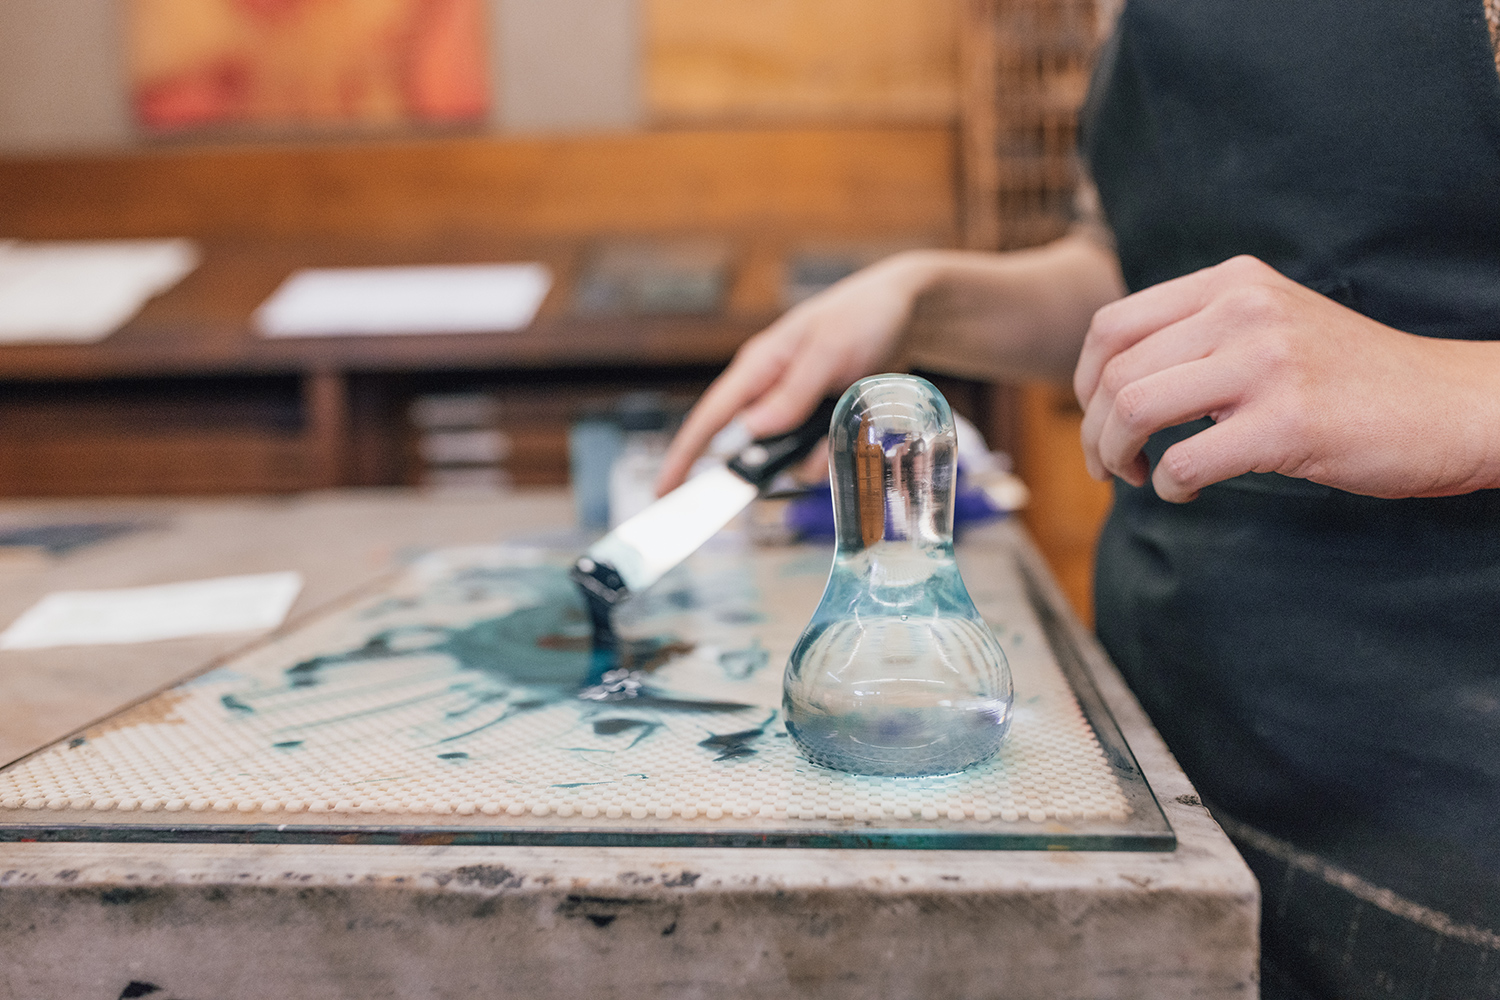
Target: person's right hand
(822, 345)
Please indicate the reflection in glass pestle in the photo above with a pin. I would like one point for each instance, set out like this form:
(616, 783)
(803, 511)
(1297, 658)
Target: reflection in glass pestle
(896, 674)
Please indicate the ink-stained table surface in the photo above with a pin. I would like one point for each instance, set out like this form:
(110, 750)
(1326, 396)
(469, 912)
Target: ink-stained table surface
(435, 912)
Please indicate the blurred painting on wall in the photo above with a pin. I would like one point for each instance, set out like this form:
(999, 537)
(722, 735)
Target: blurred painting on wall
(215, 64)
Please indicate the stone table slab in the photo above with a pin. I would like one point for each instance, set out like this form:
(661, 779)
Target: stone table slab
(229, 921)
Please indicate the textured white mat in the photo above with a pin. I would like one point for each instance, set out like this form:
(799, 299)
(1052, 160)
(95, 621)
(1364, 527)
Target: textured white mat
(427, 704)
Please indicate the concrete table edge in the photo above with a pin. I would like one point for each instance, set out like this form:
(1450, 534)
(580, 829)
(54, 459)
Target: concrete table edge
(332, 921)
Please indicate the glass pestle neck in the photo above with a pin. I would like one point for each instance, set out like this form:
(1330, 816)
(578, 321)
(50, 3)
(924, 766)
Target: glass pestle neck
(893, 479)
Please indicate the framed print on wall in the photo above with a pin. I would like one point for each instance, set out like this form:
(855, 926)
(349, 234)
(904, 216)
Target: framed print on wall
(307, 64)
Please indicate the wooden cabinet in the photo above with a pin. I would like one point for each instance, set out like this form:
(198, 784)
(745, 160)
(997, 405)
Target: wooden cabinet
(1068, 507)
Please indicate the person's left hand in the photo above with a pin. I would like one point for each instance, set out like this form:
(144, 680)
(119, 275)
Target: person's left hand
(1296, 384)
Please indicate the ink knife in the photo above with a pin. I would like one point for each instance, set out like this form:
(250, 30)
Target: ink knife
(643, 549)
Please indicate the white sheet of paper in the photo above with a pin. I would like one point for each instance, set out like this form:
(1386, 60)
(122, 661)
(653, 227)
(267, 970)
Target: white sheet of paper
(81, 292)
(362, 301)
(146, 614)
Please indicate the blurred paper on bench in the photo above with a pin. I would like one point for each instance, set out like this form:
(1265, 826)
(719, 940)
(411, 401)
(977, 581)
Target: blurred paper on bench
(145, 614)
(469, 298)
(81, 292)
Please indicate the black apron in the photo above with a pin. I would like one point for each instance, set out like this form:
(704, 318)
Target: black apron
(1326, 666)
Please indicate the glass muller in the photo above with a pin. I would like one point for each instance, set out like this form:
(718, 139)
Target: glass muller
(896, 674)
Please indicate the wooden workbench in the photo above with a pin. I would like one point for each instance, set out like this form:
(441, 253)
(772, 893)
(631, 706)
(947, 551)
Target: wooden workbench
(229, 921)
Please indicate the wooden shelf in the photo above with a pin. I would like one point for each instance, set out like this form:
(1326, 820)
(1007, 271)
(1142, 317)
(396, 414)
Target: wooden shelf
(203, 327)
(189, 398)
(100, 418)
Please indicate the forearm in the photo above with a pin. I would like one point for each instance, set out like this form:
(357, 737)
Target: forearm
(985, 316)
(1007, 316)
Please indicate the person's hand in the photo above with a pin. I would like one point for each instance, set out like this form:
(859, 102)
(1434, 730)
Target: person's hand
(1296, 384)
(823, 345)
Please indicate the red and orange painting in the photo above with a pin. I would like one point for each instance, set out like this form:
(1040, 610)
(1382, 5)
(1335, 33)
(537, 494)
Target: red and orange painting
(310, 63)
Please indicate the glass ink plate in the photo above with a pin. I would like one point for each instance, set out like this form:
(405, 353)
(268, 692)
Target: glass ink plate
(456, 703)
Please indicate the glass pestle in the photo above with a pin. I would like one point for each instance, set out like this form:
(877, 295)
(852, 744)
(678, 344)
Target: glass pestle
(896, 674)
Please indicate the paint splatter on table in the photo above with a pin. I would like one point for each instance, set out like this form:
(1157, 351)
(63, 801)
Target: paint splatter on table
(458, 703)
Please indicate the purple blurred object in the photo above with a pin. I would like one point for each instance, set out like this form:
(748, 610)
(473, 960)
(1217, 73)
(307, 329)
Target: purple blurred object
(810, 515)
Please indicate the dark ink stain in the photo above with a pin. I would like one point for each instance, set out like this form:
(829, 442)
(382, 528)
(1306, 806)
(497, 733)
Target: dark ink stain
(304, 674)
(1188, 800)
(234, 704)
(455, 755)
(481, 698)
(124, 896)
(560, 648)
(731, 745)
(647, 655)
(546, 644)
(76, 742)
(566, 643)
(603, 640)
(950, 878)
(683, 880)
(287, 744)
(621, 685)
(683, 599)
(68, 874)
(581, 784)
(574, 903)
(562, 642)
(613, 727)
(60, 539)
(669, 930)
(488, 876)
(374, 711)
(136, 988)
(598, 910)
(510, 710)
(742, 664)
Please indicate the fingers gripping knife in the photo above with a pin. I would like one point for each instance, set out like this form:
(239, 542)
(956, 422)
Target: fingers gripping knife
(643, 549)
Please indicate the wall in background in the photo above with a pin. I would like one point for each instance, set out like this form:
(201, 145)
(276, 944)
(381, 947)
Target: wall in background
(802, 60)
(558, 66)
(567, 65)
(62, 76)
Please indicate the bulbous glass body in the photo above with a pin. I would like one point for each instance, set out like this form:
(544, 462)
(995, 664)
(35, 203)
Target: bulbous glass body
(896, 674)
